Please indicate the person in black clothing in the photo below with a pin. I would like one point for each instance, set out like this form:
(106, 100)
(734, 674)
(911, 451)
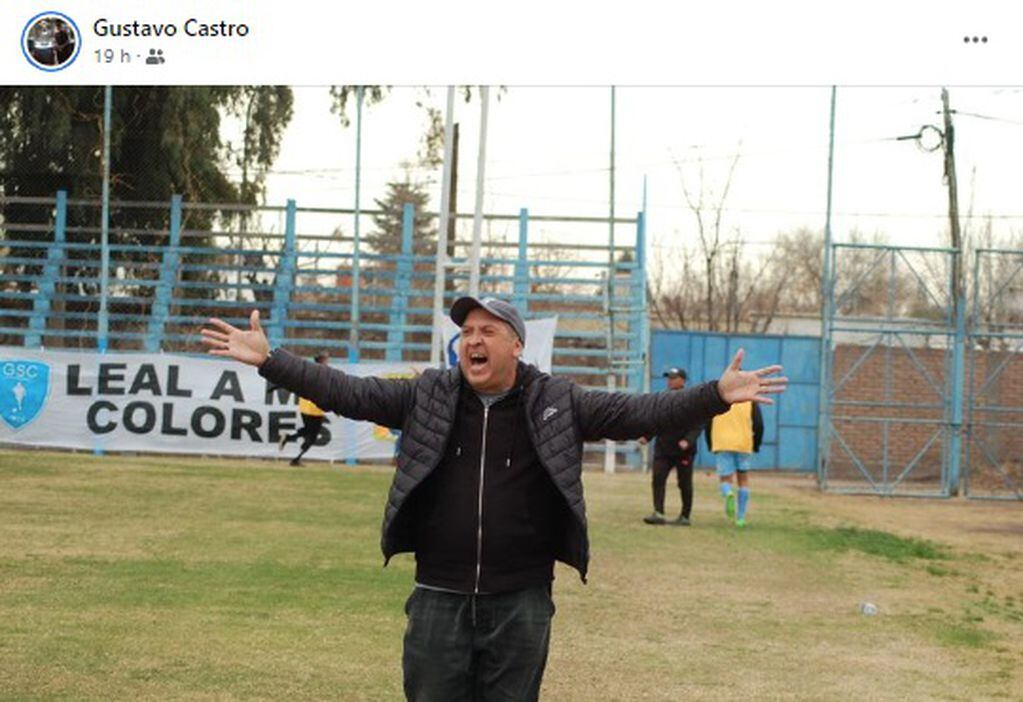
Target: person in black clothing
(64, 42)
(676, 450)
(488, 489)
(313, 419)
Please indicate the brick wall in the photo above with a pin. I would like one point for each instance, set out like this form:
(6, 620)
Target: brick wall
(907, 389)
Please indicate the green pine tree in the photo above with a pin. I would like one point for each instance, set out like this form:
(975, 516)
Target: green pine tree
(386, 238)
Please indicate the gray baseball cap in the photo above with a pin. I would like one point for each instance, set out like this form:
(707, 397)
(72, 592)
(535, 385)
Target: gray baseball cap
(499, 308)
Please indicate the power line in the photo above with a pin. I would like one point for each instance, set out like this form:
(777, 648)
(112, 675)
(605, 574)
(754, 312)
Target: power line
(327, 172)
(987, 117)
(779, 213)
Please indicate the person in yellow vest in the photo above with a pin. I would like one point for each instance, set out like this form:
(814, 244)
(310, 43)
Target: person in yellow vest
(732, 437)
(312, 421)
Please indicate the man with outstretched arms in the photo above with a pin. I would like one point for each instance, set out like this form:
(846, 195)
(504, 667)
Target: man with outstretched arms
(488, 489)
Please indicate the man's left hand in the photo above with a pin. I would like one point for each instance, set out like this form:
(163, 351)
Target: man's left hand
(737, 385)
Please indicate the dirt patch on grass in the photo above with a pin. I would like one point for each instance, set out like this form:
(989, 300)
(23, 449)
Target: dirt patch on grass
(957, 521)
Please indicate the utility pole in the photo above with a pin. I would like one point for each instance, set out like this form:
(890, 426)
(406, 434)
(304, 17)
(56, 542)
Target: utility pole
(957, 382)
(958, 305)
(953, 197)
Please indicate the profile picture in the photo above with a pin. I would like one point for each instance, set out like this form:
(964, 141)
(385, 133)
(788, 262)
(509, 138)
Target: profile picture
(50, 41)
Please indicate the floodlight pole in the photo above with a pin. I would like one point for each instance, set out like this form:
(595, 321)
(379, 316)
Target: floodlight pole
(440, 266)
(611, 195)
(612, 380)
(477, 217)
(356, 280)
(103, 321)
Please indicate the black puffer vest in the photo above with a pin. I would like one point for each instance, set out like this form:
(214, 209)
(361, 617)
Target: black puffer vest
(551, 429)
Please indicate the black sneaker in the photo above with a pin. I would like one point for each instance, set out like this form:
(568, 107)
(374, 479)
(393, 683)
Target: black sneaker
(295, 462)
(681, 521)
(655, 518)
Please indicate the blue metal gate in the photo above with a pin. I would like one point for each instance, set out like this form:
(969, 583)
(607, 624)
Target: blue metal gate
(994, 449)
(790, 425)
(893, 365)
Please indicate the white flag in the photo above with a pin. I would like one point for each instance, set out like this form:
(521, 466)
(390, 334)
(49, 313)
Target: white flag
(539, 349)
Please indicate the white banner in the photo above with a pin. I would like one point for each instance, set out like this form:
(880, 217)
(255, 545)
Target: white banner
(539, 347)
(169, 404)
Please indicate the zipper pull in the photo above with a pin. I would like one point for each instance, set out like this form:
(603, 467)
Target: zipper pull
(507, 462)
(458, 452)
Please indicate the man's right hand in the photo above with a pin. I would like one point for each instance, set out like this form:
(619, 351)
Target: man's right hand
(249, 347)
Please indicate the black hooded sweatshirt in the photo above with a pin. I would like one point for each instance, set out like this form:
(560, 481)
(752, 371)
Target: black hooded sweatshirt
(488, 517)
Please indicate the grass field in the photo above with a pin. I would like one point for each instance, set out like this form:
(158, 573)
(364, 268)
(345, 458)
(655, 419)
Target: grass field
(205, 579)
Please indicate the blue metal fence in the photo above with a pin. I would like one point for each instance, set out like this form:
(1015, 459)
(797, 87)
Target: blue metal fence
(994, 439)
(893, 371)
(295, 265)
(790, 425)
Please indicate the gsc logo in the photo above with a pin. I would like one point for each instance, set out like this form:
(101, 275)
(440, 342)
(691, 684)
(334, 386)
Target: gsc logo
(20, 369)
(24, 387)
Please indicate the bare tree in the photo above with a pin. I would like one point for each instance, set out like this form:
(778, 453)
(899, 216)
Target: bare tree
(733, 292)
(732, 302)
(707, 207)
(999, 285)
(750, 293)
(767, 279)
(674, 289)
(801, 253)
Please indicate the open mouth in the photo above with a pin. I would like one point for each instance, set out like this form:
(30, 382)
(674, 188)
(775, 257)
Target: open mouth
(477, 360)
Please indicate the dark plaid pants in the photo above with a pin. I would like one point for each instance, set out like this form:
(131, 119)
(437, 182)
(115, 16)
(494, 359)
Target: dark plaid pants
(476, 648)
